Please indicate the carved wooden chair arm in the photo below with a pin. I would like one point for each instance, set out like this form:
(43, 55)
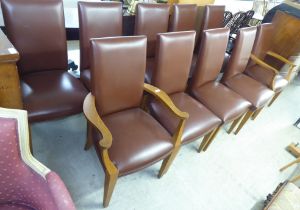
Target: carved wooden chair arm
(165, 99)
(8, 52)
(90, 112)
(263, 64)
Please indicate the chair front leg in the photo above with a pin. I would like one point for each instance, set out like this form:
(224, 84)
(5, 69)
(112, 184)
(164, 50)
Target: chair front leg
(290, 164)
(111, 176)
(244, 120)
(256, 113)
(216, 131)
(234, 123)
(274, 98)
(177, 139)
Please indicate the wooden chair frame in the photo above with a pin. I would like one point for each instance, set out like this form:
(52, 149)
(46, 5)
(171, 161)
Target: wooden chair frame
(111, 171)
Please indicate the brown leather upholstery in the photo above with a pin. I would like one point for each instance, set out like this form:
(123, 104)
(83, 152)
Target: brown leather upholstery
(151, 19)
(178, 46)
(96, 20)
(262, 44)
(183, 17)
(213, 18)
(138, 139)
(48, 90)
(223, 102)
(234, 77)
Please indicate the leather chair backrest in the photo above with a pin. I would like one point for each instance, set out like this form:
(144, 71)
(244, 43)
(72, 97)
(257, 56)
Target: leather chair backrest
(241, 52)
(151, 19)
(183, 17)
(118, 85)
(263, 41)
(37, 30)
(213, 17)
(173, 60)
(211, 56)
(96, 20)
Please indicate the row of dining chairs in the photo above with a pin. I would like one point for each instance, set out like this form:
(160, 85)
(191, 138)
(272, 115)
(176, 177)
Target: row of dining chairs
(132, 130)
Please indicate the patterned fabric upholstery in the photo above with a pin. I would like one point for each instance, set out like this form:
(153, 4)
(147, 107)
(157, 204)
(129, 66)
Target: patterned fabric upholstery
(20, 186)
(287, 199)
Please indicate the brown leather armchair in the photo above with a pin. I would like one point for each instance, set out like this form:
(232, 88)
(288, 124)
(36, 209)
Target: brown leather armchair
(36, 28)
(234, 78)
(213, 18)
(260, 70)
(127, 138)
(222, 101)
(173, 60)
(151, 19)
(183, 17)
(96, 20)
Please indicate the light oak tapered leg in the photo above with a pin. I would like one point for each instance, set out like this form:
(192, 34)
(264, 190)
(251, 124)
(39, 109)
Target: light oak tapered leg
(216, 131)
(89, 138)
(205, 140)
(243, 122)
(167, 162)
(290, 164)
(256, 113)
(234, 123)
(274, 98)
(295, 179)
(110, 183)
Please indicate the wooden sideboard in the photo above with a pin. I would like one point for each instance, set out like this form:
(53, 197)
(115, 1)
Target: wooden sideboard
(10, 90)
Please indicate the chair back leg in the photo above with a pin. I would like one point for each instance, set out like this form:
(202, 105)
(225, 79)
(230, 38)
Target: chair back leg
(274, 98)
(234, 123)
(244, 120)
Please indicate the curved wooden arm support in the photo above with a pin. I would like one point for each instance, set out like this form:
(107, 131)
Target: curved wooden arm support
(90, 112)
(265, 66)
(165, 99)
(10, 89)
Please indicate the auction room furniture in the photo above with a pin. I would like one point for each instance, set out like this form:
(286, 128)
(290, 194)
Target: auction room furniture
(151, 19)
(173, 62)
(183, 17)
(127, 138)
(261, 71)
(48, 90)
(234, 78)
(222, 101)
(10, 90)
(96, 20)
(25, 182)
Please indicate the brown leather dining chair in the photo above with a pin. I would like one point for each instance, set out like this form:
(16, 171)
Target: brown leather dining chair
(173, 61)
(183, 17)
(96, 20)
(213, 17)
(49, 91)
(234, 78)
(261, 71)
(222, 101)
(151, 19)
(127, 138)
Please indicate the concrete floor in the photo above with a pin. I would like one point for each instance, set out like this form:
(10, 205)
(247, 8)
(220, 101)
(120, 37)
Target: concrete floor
(236, 173)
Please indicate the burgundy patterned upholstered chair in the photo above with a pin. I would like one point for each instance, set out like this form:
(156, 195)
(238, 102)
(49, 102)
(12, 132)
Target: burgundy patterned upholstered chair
(151, 19)
(96, 20)
(25, 183)
(183, 17)
(36, 28)
(127, 138)
(234, 77)
(205, 87)
(173, 62)
(263, 72)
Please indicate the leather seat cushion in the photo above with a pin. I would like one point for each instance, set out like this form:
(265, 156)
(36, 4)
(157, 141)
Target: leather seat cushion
(52, 94)
(200, 121)
(265, 76)
(138, 140)
(222, 101)
(15, 206)
(85, 77)
(150, 65)
(255, 92)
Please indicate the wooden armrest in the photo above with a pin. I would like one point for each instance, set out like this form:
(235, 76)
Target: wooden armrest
(8, 52)
(279, 57)
(90, 112)
(165, 99)
(263, 64)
